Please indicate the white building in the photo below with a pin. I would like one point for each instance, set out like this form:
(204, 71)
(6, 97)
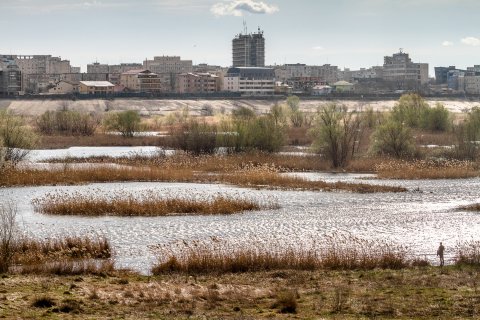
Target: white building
(252, 81)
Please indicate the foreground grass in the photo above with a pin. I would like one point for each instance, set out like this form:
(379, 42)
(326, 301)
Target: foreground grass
(250, 177)
(148, 204)
(414, 293)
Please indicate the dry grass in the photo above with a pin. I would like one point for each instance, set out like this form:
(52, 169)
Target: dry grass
(29, 251)
(417, 293)
(251, 176)
(146, 204)
(427, 169)
(337, 253)
(33, 177)
(70, 267)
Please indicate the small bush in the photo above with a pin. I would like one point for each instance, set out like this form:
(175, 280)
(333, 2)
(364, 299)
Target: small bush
(67, 123)
(195, 137)
(126, 123)
(393, 139)
(17, 139)
(286, 301)
(43, 302)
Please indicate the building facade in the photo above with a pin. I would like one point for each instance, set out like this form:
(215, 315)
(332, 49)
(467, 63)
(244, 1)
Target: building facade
(248, 50)
(141, 81)
(197, 83)
(405, 74)
(10, 77)
(250, 81)
(96, 87)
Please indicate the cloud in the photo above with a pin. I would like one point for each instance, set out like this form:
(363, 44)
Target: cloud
(447, 43)
(471, 41)
(238, 7)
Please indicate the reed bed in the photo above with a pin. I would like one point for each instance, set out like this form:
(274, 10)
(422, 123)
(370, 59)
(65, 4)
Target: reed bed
(470, 207)
(427, 169)
(71, 176)
(251, 175)
(468, 253)
(70, 267)
(337, 253)
(29, 251)
(146, 204)
(69, 255)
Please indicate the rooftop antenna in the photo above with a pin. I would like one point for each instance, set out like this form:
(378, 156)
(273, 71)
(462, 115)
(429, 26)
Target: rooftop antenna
(245, 29)
(401, 50)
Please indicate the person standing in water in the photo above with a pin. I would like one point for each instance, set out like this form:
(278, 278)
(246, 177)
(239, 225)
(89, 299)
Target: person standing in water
(440, 251)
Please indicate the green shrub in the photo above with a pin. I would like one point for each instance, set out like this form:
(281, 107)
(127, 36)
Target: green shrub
(410, 110)
(393, 139)
(67, 123)
(195, 137)
(126, 123)
(436, 119)
(17, 139)
(468, 135)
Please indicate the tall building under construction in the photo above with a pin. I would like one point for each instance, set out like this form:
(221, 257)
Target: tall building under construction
(249, 50)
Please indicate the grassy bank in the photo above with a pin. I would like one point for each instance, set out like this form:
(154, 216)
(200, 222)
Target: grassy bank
(417, 293)
(147, 204)
(259, 178)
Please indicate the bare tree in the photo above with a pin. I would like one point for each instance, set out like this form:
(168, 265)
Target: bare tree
(8, 230)
(335, 133)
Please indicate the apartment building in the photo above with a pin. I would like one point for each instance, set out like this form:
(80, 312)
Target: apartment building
(168, 64)
(325, 73)
(248, 50)
(197, 83)
(96, 87)
(253, 81)
(10, 77)
(141, 81)
(405, 74)
(65, 87)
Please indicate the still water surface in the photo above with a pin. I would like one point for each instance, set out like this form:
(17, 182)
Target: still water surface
(418, 219)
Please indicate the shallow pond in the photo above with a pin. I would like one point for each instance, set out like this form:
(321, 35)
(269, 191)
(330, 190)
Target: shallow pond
(418, 219)
(85, 152)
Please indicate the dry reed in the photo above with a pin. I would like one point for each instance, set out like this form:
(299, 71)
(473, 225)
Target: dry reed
(337, 253)
(146, 204)
(261, 176)
(69, 255)
(427, 169)
(468, 253)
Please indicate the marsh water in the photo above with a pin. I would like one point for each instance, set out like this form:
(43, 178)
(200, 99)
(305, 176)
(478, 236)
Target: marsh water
(417, 219)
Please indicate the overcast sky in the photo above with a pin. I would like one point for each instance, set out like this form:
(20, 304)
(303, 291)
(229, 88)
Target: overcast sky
(347, 33)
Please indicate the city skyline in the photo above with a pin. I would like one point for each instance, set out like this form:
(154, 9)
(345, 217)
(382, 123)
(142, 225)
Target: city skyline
(350, 34)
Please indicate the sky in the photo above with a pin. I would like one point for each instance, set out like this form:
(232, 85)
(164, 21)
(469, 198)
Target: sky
(347, 33)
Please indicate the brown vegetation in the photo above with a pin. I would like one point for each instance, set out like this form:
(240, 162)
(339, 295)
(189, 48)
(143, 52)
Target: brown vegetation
(262, 177)
(338, 253)
(470, 207)
(69, 255)
(97, 140)
(427, 169)
(146, 204)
